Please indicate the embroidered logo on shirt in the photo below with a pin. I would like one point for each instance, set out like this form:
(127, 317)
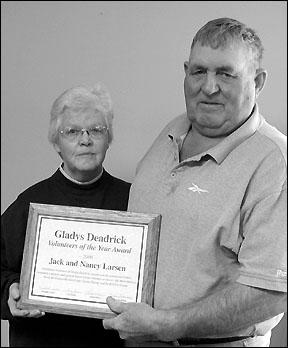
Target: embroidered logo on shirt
(281, 274)
(195, 188)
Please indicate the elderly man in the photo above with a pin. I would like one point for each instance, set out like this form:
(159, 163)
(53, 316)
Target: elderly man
(217, 175)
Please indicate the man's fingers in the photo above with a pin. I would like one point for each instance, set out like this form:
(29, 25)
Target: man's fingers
(115, 305)
(107, 324)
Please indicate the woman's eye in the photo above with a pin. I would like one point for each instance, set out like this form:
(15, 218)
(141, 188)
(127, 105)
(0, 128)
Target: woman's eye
(96, 130)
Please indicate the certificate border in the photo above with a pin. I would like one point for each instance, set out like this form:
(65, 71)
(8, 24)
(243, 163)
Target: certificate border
(89, 220)
(36, 211)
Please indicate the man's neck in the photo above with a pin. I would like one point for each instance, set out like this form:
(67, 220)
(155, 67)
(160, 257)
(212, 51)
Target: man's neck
(196, 143)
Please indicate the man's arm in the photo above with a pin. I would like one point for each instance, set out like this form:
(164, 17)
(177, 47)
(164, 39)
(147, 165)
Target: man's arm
(225, 312)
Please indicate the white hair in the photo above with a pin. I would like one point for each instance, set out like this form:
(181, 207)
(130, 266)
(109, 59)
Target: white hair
(77, 98)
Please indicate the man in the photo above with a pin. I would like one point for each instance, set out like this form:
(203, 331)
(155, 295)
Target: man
(217, 175)
(81, 132)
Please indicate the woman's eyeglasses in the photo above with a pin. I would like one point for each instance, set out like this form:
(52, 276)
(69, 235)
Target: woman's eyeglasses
(73, 133)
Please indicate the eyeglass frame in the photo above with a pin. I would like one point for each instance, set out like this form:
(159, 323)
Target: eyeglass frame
(82, 130)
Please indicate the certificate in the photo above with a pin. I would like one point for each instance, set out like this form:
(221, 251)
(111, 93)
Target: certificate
(75, 257)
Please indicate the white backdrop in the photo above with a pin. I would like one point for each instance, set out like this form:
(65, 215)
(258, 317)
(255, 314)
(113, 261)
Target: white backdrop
(137, 49)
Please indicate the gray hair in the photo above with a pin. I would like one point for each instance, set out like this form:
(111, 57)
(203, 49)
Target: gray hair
(79, 98)
(223, 32)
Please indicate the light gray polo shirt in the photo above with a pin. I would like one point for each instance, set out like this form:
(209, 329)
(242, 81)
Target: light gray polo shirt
(224, 216)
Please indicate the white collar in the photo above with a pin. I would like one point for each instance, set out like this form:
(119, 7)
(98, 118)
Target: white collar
(79, 182)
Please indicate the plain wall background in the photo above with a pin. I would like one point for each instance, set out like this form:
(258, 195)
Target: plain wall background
(137, 49)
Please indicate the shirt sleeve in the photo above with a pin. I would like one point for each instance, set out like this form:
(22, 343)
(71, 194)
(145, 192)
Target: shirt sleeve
(263, 253)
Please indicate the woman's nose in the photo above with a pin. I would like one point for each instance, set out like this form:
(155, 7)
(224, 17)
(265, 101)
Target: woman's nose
(85, 137)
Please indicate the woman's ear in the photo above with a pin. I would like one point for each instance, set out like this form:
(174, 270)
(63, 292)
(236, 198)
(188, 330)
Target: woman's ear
(57, 148)
(260, 80)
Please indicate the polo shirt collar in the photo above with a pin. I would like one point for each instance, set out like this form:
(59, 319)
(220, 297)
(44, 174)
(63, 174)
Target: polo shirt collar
(228, 144)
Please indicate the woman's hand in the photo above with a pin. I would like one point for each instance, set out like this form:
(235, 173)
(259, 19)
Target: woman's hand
(13, 303)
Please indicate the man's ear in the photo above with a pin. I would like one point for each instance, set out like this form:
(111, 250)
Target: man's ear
(186, 65)
(260, 80)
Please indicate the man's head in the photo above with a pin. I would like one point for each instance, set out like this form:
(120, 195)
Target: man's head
(224, 32)
(223, 76)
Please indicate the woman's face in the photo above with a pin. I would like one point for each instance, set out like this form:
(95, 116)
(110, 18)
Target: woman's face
(83, 156)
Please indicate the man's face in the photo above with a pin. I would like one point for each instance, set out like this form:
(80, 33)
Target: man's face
(82, 157)
(219, 89)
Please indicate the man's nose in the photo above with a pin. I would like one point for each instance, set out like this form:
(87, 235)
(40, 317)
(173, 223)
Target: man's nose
(210, 84)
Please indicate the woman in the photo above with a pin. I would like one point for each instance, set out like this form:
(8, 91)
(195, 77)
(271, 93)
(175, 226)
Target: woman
(81, 133)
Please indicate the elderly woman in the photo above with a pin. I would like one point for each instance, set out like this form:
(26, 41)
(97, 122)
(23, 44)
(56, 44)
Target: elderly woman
(81, 132)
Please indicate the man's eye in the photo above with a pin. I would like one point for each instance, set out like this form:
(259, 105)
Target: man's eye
(198, 72)
(225, 74)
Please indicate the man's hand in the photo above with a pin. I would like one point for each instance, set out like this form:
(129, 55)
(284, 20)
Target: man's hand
(137, 321)
(13, 303)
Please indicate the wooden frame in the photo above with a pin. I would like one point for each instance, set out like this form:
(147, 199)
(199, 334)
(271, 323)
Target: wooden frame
(75, 257)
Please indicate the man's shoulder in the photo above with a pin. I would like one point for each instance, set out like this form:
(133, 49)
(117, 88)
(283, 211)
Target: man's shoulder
(274, 139)
(173, 128)
(176, 122)
(176, 126)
